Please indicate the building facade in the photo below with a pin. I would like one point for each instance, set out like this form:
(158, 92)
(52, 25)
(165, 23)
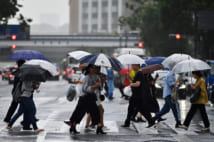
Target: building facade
(96, 16)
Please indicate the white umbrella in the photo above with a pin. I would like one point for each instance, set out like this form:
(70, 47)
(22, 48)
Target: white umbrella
(190, 65)
(129, 59)
(44, 65)
(78, 54)
(174, 59)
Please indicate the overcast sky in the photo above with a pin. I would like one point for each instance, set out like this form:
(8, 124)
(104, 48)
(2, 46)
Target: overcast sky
(54, 12)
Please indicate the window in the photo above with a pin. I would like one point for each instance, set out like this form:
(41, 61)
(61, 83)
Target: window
(114, 9)
(94, 21)
(94, 9)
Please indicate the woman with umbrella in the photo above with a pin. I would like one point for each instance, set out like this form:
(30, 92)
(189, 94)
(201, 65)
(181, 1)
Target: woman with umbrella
(199, 104)
(87, 102)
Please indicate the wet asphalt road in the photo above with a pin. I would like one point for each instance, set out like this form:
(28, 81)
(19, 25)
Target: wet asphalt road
(53, 109)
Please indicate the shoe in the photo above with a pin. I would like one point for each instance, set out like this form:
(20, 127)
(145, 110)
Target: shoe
(73, 130)
(182, 127)
(151, 124)
(178, 125)
(39, 130)
(9, 128)
(100, 131)
(68, 123)
(89, 129)
(161, 119)
(206, 129)
(139, 119)
(27, 128)
(125, 125)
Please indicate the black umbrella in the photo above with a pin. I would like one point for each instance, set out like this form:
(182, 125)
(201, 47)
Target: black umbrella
(32, 73)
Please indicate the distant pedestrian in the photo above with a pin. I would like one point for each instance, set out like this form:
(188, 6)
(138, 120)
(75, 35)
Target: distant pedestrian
(110, 83)
(138, 99)
(169, 83)
(14, 103)
(199, 104)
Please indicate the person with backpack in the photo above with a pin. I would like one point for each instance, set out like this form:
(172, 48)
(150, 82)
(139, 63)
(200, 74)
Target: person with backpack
(14, 103)
(27, 106)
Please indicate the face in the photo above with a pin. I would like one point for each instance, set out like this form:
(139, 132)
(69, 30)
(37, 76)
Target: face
(195, 76)
(135, 67)
(92, 69)
(81, 66)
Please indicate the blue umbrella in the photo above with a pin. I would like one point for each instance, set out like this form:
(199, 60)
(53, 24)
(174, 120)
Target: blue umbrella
(102, 60)
(155, 60)
(27, 55)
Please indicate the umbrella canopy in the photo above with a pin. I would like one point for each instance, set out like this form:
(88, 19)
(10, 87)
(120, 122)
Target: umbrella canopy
(190, 65)
(151, 68)
(44, 65)
(27, 55)
(102, 60)
(155, 60)
(128, 59)
(125, 71)
(32, 73)
(78, 54)
(174, 59)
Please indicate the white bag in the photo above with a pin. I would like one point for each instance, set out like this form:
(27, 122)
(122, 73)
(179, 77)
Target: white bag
(127, 91)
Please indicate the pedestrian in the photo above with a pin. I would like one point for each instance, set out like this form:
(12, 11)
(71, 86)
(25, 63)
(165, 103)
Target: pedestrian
(100, 98)
(87, 102)
(138, 99)
(155, 108)
(110, 83)
(27, 106)
(199, 104)
(169, 83)
(14, 103)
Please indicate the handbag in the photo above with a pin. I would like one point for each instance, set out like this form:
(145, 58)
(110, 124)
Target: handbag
(174, 95)
(196, 95)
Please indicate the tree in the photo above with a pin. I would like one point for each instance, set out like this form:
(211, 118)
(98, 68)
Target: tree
(158, 18)
(9, 9)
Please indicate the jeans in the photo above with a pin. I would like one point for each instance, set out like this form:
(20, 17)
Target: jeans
(110, 84)
(16, 116)
(193, 110)
(166, 108)
(29, 110)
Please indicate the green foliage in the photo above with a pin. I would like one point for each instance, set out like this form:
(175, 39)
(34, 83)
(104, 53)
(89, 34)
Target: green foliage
(9, 9)
(158, 18)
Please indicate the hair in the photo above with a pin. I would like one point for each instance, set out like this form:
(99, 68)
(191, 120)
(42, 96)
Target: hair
(87, 69)
(197, 73)
(20, 62)
(137, 65)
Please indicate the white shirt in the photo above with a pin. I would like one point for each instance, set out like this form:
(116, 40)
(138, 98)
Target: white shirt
(79, 85)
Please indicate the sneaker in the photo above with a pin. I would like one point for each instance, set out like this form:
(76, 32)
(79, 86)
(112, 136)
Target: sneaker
(206, 129)
(178, 125)
(183, 127)
(161, 119)
(89, 129)
(39, 130)
(9, 128)
(105, 128)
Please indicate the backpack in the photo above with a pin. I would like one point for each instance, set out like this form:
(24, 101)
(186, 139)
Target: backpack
(17, 91)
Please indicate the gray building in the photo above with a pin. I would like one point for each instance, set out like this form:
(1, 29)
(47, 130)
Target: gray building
(96, 16)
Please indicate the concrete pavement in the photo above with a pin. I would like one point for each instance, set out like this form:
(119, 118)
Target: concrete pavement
(53, 109)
